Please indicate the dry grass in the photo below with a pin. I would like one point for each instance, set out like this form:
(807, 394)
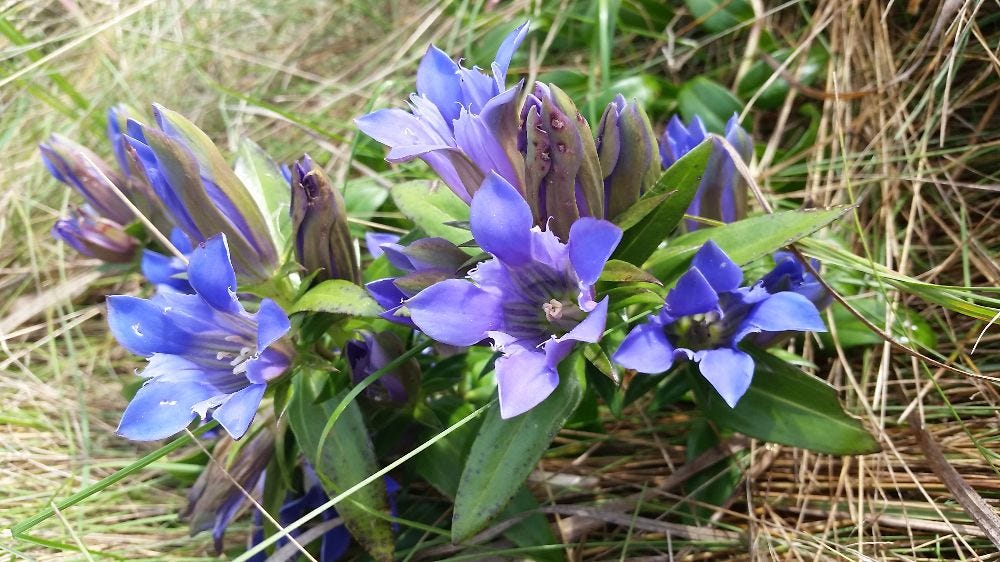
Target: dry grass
(907, 129)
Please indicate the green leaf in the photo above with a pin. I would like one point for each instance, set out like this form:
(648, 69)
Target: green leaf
(713, 103)
(624, 272)
(506, 451)
(719, 15)
(347, 458)
(339, 297)
(430, 209)
(785, 405)
(661, 208)
(269, 189)
(744, 241)
(362, 197)
(908, 326)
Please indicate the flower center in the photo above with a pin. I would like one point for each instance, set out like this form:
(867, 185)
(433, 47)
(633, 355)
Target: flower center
(563, 315)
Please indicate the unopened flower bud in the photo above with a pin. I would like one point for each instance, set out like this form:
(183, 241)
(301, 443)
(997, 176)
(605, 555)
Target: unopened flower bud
(319, 224)
(81, 169)
(629, 158)
(374, 352)
(96, 236)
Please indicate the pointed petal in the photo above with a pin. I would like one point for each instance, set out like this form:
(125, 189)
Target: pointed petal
(645, 349)
(524, 380)
(692, 295)
(785, 311)
(239, 409)
(506, 52)
(267, 366)
(210, 272)
(501, 221)
(272, 323)
(161, 409)
(591, 242)
(385, 292)
(161, 270)
(375, 240)
(143, 328)
(399, 129)
(720, 271)
(437, 80)
(592, 327)
(728, 370)
(455, 312)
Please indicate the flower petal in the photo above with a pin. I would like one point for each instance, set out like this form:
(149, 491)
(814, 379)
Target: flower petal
(161, 409)
(143, 328)
(591, 328)
(210, 272)
(437, 79)
(161, 270)
(591, 242)
(693, 294)
(385, 292)
(785, 311)
(524, 380)
(645, 349)
(455, 312)
(723, 273)
(501, 221)
(506, 52)
(375, 240)
(267, 366)
(728, 370)
(272, 323)
(238, 409)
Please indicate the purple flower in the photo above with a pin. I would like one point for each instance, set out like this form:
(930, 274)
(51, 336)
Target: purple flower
(374, 352)
(423, 262)
(789, 274)
(375, 240)
(705, 317)
(200, 193)
(207, 354)
(95, 236)
(722, 193)
(534, 298)
(168, 269)
(81, 169)
(319, 222)
(218, 497)
(462, 122)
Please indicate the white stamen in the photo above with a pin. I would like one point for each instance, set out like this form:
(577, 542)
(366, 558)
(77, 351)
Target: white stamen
(553, 310)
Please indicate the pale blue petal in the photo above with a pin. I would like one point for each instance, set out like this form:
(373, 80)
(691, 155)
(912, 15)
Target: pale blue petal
(239, 409)
(161, 409)
(272, 323)
(645, 349)
(375, 240)
(437, 80)
(591, 242)
(692, 295)
(455, 312)
(143, 328)
(728, 370)
(267, 366)
(506, 52)
(501, 221)
(210, 272)
(721, 272)
(524, 380)
(785, 311)
(592, 327)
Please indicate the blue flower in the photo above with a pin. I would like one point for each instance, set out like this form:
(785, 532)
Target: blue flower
(423, 262)
(168, 269)
(462, 122)
(705, 317)
(375, 240)
(95, 236)
(722, 193)
(534, 298)
(207, 354)
(372, 353)
(81, 169)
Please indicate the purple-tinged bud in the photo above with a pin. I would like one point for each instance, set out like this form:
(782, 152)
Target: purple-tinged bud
(319, 225)
(790, 274)
(96, 236)
(629, 158)
(374, 352)
(722, 193)
(74, 165)
(563, 179)
(218, 496)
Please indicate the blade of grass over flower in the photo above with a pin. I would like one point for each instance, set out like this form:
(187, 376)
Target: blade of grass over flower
(111, 480)
(347, 493)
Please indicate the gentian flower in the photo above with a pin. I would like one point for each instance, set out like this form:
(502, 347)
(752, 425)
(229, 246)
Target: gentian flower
(200, 193)
(629, 158)
(534, 298)
(74, 165)
(168, 269)
(95, 236)
(705, 317)
(789, 274)
(423, 262)
(722, 193)
(462, 122)
(217, 497)
(207, 355)
(319, 224)
(373, 352)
